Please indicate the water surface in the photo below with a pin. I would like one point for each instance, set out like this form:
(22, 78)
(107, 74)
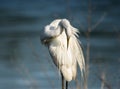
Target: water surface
(26, 64)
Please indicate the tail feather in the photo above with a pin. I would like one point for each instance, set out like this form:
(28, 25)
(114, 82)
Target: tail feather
(76, 50)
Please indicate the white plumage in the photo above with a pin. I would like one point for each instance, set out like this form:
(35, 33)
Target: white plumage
(64, 47)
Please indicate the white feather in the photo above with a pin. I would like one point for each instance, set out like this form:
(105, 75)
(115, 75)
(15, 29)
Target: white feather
(65, 58)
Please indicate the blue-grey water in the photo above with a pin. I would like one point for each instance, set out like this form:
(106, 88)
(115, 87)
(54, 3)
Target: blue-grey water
(26, 64)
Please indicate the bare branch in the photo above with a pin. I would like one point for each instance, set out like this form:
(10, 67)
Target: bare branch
(102, 79)
(99, 21)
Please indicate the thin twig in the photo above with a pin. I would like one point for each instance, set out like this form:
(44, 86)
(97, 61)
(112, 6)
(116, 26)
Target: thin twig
(22, 69)
(99, 21)
(107, 85)
(88, 44)
(103, 77)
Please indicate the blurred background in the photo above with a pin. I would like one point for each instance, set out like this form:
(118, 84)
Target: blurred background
(25, 63)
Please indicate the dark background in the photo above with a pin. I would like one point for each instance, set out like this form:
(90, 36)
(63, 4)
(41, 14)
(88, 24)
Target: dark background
(26, 64)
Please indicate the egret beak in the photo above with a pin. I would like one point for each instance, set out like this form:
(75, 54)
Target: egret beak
(44, 41)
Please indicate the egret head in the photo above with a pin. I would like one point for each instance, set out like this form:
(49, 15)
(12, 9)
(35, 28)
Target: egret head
(54, 29)
(50, 32)
(45, 35)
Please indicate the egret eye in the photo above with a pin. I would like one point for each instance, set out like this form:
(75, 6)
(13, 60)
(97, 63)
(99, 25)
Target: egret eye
(52, 28)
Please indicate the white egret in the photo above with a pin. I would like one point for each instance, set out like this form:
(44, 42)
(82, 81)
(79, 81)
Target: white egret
(64, 47)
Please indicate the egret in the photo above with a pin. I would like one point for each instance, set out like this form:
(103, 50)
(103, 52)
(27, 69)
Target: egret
(63, 44)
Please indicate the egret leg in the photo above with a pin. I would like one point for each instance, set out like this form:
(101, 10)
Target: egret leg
(66, 84)
(62, 81)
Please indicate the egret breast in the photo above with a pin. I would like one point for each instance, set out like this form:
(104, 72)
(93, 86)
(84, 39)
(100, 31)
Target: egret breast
(62, 56)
